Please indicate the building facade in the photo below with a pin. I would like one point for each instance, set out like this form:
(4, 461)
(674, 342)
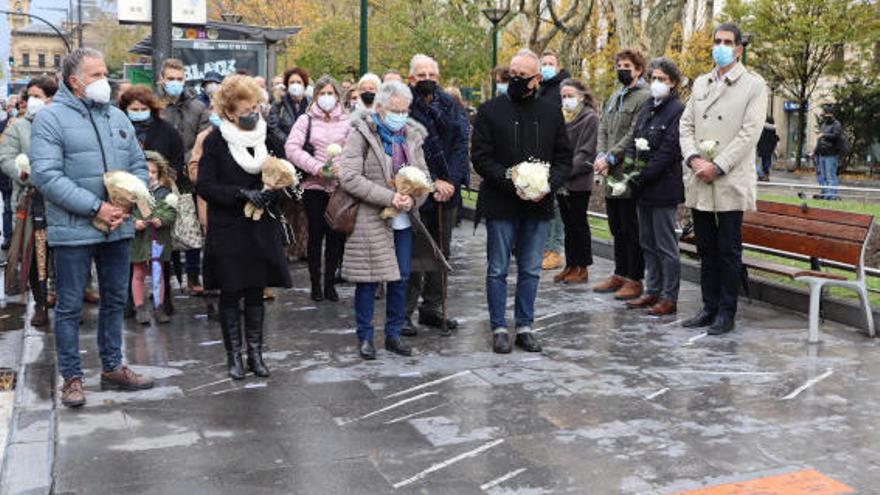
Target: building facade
(34, 48)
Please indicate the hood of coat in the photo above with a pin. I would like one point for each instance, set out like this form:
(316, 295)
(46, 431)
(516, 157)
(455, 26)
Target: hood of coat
(336, 115)
(364, 123)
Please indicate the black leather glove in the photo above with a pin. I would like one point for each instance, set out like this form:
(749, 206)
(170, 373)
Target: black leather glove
(253, 196)
(271, 198)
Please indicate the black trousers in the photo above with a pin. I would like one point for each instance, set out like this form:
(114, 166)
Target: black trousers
(427, 284)
(315, 203)
(623, 221)
(253, 296)
(578, 240)
(720, 249)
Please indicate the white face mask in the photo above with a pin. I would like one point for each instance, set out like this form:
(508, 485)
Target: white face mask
(570, 104)
(211, 88)
(34, 105)
(327, 102)
(296, 90)
(310, 92)
(659, 90)
(99, 91)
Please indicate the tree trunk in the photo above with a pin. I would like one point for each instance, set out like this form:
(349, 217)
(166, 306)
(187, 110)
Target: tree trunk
(657, 28)
(802, 131)
(626, 26)
(709, 13)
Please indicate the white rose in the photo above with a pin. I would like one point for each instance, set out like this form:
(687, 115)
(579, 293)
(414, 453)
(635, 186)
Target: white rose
(172, 200)
(23, 163)
(618, 189)
(708, 146)
(334, 150)
(642, 144)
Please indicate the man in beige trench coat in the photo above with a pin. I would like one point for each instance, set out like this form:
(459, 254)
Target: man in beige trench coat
(719, 130)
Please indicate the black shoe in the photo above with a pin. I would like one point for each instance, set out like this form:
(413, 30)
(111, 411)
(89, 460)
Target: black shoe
(367, 351)
(702, 319)
(230, 326)
(501, 343)
(253, 334)
(330, 293)
(721, 325)
(398, 347)
(317, 293)
(436, 321)
(408, 329)
(528, 342)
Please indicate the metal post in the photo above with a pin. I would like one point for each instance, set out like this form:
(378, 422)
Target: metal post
(363, 68)
(494, 56)
(161, 35)
(79, 24)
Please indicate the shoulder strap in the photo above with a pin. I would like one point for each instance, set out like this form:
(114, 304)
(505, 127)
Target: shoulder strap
(98, 135)
(308, 140)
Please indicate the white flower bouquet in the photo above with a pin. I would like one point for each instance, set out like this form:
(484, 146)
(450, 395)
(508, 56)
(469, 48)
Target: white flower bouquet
(531, 178)
(707, 152)
(333, 151)
(409, 181)
(619, 186)
(125, 190)
(277, 174)
(23, 164)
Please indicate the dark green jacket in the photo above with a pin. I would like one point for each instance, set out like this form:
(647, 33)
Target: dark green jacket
(140, 246)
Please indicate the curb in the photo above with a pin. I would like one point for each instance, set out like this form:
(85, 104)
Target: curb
(30, 450)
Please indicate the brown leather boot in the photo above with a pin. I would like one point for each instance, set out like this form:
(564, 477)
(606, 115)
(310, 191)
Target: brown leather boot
(91, 296)
(579, 275)
(646, 301)
(630, 290)
(611, 284)
(72, 394)
(663, 307)
(123, 378)
(564, 273)
(552, 261)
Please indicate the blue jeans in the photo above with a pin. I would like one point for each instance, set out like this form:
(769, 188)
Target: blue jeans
(395, 302)
(72, 267)
(556, 237)
(766, 163)
(528, 236)
(7, 217)
(828, 166)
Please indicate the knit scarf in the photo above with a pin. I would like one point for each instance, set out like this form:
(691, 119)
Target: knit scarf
(239, 141)
(394, 143)
(570, 116)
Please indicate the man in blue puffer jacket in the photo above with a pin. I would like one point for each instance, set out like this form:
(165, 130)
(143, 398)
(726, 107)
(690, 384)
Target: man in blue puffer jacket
(73, 142)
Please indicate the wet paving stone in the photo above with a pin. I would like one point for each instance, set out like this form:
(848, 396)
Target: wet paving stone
(618, 403)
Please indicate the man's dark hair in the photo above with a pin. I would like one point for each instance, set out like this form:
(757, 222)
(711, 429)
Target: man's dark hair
(45, 83)
(729, 27)
(633, 56)
(666, 66)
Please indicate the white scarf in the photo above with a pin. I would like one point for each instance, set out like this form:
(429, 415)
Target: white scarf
(239, 141)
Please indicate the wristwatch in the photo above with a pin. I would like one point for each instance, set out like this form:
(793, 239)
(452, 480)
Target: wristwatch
(96, 209)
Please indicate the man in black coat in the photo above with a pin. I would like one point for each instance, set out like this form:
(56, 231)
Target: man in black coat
(829, 147)
(446, 155)
(509, 130)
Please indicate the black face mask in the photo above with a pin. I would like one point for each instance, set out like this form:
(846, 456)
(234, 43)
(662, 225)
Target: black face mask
(249, 122)
(625, 76)
(367, 97)
(828, 118)
(426, 87)
(518, 88)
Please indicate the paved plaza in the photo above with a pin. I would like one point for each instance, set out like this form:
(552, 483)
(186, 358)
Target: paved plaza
(618, 403)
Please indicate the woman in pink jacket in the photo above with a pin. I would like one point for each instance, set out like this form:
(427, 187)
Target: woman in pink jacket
(323, 125)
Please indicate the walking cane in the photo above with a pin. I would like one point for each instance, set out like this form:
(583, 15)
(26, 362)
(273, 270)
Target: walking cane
(444, 325)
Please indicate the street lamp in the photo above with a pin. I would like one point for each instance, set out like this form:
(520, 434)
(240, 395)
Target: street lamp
(746, 39)
(363, 47)
(495, 15)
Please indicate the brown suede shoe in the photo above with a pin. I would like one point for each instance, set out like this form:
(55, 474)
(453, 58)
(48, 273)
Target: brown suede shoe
(268, 295)
(630, 290)
(552, 261)
(646, 301)
(72, 394)
(612, 284)
(564, 273)
(663, 307)
(124, 379)
(579, 275)
(91, 296)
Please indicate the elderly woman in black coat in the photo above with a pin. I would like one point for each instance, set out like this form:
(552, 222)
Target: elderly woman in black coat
(658, 189)
(242, 256)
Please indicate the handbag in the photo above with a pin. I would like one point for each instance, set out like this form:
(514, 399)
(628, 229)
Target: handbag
(187, 231)
(342, 208)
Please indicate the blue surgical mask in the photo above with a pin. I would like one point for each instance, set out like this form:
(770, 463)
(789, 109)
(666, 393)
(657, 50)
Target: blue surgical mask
(501, 88)
(14, 113)
(139, 116)
(548, 72)
(214, 119)
(723, 55)
(174, 88)
(395, 121)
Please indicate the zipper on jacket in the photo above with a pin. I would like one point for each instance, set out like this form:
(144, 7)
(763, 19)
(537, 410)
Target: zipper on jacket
(537, 139)
(516, 135)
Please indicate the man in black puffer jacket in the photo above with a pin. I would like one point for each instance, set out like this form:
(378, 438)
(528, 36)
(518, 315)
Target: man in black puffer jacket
(509, 130)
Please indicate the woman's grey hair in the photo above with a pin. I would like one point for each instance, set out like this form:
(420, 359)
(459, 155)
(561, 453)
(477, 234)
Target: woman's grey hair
(393, 89)
(666, 66)
(421, 58)
(327, 80)
(73, 63)
(369, 76)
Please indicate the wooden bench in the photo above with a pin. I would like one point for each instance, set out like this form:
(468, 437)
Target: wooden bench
(814, 232)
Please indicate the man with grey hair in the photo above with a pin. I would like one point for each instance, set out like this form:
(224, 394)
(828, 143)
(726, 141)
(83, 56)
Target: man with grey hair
(74, 142)
(507, 132)
(446, 155)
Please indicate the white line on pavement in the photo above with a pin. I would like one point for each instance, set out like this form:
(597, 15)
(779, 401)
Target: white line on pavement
(206, 385)
(428, 384)
(695, 338)
(408, 416)
(502, 479)
(557, 324)
(657, 394)
(392, 406)
(810, 383)
(437, 467)
(546, 317)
